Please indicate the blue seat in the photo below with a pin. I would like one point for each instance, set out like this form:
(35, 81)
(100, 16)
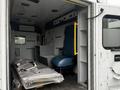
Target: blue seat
(66, 60)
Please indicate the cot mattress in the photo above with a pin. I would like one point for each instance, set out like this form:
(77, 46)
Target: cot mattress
(34, 76)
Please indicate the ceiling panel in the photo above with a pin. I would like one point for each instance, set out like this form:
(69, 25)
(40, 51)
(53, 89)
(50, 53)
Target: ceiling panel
(38, 12)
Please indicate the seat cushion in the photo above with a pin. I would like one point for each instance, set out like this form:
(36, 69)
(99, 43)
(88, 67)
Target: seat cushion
(62, 61)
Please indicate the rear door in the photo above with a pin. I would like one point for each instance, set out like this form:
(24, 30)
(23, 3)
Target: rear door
(107, 48)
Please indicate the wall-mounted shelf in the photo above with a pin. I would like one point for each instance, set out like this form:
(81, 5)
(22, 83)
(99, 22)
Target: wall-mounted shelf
(83, 47)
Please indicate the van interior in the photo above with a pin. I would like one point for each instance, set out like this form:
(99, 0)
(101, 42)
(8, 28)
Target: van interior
(48, 45)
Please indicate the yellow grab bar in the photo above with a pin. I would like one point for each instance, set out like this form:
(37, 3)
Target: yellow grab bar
(75, 38)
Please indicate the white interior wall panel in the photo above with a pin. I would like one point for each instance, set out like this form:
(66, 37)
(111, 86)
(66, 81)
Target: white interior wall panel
(59, 35)
(55, 36)
(49, 36)
(47, 50)
(58, 38)
(27, 49)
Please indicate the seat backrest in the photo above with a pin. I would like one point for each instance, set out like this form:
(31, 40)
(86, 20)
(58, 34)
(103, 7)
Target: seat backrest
(68, 49)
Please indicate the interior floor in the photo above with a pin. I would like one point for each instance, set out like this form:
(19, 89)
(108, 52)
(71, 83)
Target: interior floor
(70, 83)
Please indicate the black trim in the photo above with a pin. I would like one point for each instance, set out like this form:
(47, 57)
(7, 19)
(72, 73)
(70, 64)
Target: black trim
(51, 25)
(112, 16)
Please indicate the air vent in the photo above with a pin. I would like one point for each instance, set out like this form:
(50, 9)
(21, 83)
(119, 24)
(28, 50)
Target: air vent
(34, 1)
(25, 4)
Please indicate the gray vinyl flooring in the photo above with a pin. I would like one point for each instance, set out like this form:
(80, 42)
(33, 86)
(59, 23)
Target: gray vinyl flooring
(70, 83)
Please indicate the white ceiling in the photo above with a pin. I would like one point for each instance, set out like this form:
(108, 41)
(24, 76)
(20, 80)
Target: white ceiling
(42, 10)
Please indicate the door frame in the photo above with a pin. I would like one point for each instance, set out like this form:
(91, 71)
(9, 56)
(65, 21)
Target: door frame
(89, 6)
(4, 54)
(4, 43)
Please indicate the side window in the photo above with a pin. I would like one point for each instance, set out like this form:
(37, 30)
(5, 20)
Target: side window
(111, 32)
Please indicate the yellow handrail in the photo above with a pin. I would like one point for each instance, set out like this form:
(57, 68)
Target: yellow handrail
(75, 38)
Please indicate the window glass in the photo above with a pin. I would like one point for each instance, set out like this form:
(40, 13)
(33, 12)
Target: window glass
(111, 32)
